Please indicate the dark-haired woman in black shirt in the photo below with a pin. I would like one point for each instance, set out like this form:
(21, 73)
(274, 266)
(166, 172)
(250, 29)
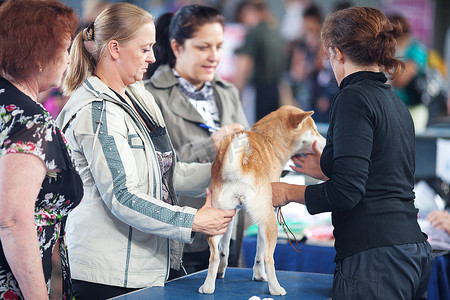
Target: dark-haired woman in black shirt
(367, 166)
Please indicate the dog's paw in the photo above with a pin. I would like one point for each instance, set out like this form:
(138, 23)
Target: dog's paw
(279, 291)
(204, 289)
(259, 277)
(221, 271)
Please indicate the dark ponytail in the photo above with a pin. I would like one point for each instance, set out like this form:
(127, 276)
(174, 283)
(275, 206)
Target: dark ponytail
(179, 27)
(163, 52)
(382, 48)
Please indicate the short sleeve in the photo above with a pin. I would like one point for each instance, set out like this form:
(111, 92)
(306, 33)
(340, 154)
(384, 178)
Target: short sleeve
(32, 130)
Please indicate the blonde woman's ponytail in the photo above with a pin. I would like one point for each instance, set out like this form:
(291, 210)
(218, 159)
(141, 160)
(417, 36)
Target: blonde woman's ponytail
(82, 64)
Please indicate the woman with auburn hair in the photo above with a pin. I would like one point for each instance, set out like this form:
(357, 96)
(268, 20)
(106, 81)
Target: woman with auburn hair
(39, 185)
(367, 167)
(125, 233)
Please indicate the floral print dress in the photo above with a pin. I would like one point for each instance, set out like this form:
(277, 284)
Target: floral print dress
(26, 127)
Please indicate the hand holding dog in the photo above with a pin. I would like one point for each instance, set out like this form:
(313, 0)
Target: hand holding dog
(224, 131)
(210, 220)
(309, 164)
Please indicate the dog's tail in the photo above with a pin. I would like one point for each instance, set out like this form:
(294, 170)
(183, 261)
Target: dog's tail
(237, 188)
(237, 156)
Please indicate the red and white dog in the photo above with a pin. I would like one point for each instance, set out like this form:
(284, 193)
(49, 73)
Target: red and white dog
(245, 165)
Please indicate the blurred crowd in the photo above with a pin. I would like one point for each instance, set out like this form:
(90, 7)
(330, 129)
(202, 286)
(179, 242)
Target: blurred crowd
(275, 61)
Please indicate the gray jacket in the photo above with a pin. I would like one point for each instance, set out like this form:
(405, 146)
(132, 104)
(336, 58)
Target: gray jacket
(119, 233)
(192, 142)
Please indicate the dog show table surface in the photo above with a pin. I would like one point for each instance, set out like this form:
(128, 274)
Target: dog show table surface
(238, 284)
(311, 258)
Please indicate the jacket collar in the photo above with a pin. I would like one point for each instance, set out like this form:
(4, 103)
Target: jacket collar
(99, 89)
(93, 89)
(181, 106)
(176, 100)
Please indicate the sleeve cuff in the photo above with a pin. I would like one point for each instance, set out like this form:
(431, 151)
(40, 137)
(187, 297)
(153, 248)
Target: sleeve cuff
(315, 199)
(187, 235)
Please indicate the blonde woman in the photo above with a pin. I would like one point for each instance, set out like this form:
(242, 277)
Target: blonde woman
(119, 236)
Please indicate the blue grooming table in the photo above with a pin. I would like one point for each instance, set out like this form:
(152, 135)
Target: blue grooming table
(238, 284)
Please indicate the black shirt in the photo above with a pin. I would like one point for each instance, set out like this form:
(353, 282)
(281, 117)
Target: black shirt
(369, 159)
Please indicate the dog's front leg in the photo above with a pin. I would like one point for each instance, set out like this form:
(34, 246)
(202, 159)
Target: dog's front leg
(209, 285)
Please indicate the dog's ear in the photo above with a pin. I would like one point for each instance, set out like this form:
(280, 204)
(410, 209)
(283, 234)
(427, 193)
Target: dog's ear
(296, 119)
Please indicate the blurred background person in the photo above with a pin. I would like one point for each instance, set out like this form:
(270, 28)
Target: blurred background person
(342, 5)
(90, 10)
(291, 26)
(447, 66)
(52, 100)
(414, 55)
(311, 76)
(124, 234)
(190, 94)
(436, 90)
(35, 36)
(260, 61)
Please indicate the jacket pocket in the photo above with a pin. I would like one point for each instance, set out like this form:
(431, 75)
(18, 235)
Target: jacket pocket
(138, 150)
(135, 141)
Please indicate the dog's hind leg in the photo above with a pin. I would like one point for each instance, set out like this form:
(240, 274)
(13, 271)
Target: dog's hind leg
(224, 249)
(209, 285)
(270, 238)
(259, 273)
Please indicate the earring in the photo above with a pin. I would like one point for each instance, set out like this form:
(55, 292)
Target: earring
(40, 69)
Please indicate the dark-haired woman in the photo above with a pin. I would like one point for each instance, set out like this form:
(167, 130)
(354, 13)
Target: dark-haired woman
(39, 185)
(190, 93)
(367, 166)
